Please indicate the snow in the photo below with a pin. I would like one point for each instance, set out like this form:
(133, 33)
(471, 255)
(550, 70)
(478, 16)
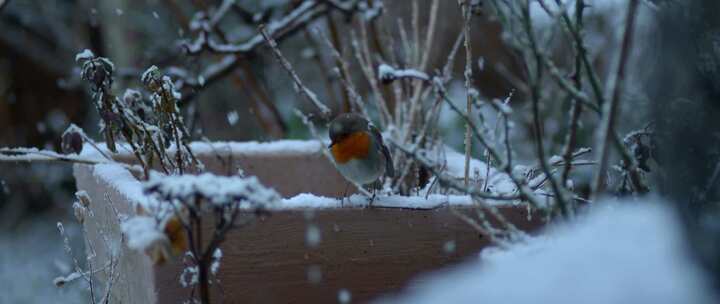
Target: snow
(189, 276)
(124, 183)
(249, 148)
(148, 74)
(218, 188)
(498, 182)
(306, 200)
(84, 55)
(313, 236)
(344, 296)
(631, 252)
(215, 189)
(233, 117)
(369, 13)
(254, 148)
(556, 159)
(142, 233)
(33, 255)
(314, 274)
(215, 265)
(388, 73)
(34, 154)
(61, 281)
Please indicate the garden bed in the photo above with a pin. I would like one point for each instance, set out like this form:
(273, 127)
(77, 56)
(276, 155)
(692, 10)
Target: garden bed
(312, 248)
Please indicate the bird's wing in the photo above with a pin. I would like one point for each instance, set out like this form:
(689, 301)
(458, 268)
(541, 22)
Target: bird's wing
(389, 168)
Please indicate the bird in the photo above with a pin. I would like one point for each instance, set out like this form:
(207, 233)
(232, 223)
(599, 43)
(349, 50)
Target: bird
(358, 150)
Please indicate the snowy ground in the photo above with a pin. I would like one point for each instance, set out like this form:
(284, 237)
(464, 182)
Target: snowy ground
(32, 255)
(627, 253)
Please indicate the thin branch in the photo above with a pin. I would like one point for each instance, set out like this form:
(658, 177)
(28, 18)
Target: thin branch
(535, 81)
(450, 181)
(34, 155)
(577, 106)
(464, 4)
(610, 109)
(297, 19)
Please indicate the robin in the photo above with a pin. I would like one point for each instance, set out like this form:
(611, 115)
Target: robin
(358, 150)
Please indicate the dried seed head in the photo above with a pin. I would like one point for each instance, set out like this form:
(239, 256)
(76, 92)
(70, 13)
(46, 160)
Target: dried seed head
(72, 142)
(83, 198)
(79, 211)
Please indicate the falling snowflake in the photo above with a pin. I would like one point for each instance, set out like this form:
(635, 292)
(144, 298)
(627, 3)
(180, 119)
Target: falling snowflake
(233, 117)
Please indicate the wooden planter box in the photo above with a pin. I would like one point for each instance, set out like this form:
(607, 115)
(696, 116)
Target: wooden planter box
(365, 251)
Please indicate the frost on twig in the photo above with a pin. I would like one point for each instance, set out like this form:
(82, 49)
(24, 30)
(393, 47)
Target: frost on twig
(175, 227)
(388, 74)
(108, 270)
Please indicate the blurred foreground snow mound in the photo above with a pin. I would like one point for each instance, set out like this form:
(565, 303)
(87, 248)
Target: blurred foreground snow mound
(631, 252)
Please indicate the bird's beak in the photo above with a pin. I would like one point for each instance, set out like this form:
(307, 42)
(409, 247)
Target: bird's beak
(330, 145)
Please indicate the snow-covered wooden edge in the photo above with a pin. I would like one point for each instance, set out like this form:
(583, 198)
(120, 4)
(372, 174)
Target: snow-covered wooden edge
(247, 148)
(124, 182)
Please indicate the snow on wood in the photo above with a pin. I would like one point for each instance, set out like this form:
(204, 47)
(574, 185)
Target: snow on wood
(629, 253)
(142, 233)
(250, 148)
(129, 186)
(132, 189)
(125, 183)
(34, 154)
(215, 189)
(307, 200)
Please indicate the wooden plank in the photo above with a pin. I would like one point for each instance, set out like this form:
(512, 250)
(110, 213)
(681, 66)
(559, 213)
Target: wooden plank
(369, 252)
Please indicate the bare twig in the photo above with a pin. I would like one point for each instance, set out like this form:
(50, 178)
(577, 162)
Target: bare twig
(35, 155)
(577, 106)
(465, 5)
(535, 81)
(297, 19)
(606, 131)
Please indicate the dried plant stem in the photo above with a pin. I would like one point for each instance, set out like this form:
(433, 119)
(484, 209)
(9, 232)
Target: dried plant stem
(597, 91)
(464, 4)
(535, 78)
(610, 109)
(298, 18)
(503, 165)
(422, 64)
(362, 54)
(577, 106)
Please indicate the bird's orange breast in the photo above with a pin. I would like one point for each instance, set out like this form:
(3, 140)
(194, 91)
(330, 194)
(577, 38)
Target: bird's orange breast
(356, 145)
